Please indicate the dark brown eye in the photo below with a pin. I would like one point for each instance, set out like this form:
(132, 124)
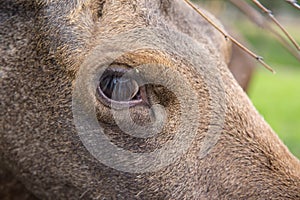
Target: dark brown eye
(119, 88)
(115, 87)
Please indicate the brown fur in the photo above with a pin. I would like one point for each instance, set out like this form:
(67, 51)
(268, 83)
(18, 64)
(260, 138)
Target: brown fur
(43, 44)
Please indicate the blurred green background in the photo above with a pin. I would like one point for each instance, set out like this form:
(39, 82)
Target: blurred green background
(276, 96)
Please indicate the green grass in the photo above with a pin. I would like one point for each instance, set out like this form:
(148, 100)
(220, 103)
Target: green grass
(277, 98)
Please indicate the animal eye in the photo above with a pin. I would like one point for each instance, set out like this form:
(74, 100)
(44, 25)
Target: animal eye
(119, 88)
(115, 87)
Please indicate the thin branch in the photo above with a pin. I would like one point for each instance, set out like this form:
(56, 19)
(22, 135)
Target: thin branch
(293, 3)
(269, 13)
(260, 21)
(285, 44)
(258, 58)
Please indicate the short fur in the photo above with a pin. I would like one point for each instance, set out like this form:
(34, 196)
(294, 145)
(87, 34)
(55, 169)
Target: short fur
(42, 46)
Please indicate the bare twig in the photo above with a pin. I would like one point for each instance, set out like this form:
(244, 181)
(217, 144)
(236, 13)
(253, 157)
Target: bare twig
(260, 21)
(269, 13)
(286, 45)
(258, 58)
(293, 3)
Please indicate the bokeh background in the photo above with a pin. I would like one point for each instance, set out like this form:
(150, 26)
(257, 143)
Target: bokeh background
(276, 96)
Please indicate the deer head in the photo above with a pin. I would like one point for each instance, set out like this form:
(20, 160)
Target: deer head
(130, 100)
